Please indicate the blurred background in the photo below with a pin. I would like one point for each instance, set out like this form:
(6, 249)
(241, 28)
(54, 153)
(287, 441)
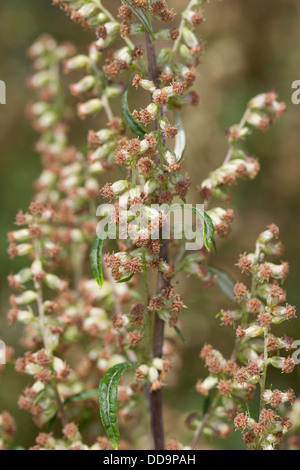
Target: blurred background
(251, 47)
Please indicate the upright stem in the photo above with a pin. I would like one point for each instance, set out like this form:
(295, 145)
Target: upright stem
(240, 127)
(41, 312)
(265, 369)
(159, 325)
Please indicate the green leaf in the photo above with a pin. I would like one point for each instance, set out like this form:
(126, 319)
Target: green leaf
(131, 122)
(180, 334)
(96, 259)
(108, 397)
(180, 142)
(143, 17)
(126, 279)
(85, 395)
(208, 226)
(224, 281)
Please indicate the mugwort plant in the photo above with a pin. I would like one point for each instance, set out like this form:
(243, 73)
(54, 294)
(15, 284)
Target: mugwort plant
(98, 298)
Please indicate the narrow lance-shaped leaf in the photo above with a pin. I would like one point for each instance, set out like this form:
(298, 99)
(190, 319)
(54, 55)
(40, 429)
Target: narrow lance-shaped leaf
(96, 260)
(208, 226)
(180, 142)
(108, 398)
(178, 331)
(131, 122)
(85, 395)
(126, 279)
(224, 281)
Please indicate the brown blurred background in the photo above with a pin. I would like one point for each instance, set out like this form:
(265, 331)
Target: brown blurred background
(251, 47)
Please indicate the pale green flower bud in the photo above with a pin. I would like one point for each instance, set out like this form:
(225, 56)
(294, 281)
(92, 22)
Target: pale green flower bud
(77, 62)
(19, 235)
(153, 109)
(32, 369)
(58, 365)
(103, 152)
(47, 119)
(84, 85)
(105, 135)
(153, 374)
(38, 387)
(150, 186)
(46, 179)
(39, 108)
(137, 30)
(277, 362)
(26, 297)
(101, 18)
(150, 213)
(37, 267)
(41, 79)
(90, 107)
(158, 363)
(25, 316)
(190, 38)
(147, 85)
(87, 10)
(119, 186)
(23, 249)
(54, 282)
(209, 383)
(253, 331)
(113, 91)
(164, 57)
(94, 54)
(163, 34)
(96, 168)
(124, 54)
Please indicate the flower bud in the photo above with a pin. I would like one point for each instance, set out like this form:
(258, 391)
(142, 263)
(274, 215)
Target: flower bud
(76, 62)
(19, 235)
(54, 282)
(119, 187)
(158, 363)
(164, 57)
(37, 267)
(112, 91)
(84, 85)
(253, 331)
(26, 297)
(150, 186)
(277, 362)
(124, 54)
(186, 53)
(190, 38)
(87, 10)
(25, 316)
(90, 107)
(153, 374)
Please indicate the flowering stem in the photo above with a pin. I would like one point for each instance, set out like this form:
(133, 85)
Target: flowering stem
(239, 128)
(206, 417)
(41, 312)
(265, 369)
(162, 283)
(63, 416)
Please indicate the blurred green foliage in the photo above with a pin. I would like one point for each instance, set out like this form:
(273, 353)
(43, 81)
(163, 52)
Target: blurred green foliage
(251, 47)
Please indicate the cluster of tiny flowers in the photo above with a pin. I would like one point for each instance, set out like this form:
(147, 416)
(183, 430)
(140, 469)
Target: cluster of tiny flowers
(74, 331)
(260, 114)
(233, 382)
(57, 312)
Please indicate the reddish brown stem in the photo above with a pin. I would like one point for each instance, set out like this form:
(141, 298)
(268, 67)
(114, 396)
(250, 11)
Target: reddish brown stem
(156, 406)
